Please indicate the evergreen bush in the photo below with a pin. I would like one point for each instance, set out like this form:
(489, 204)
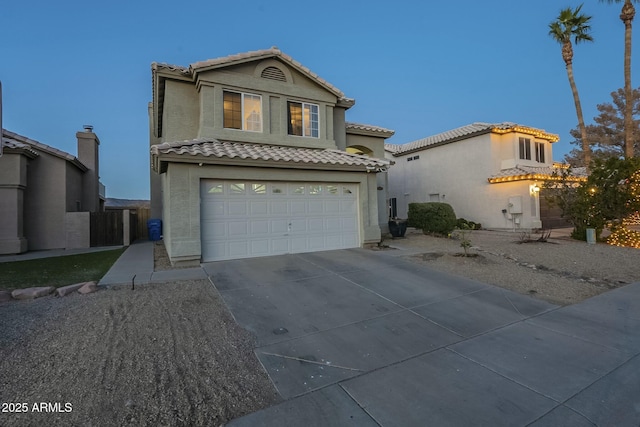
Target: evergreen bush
(432, 217)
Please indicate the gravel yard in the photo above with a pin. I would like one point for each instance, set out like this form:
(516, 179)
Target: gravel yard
(167, 354)
(562, 271)
(171, 354)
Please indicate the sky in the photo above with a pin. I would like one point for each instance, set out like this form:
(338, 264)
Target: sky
(417, 67)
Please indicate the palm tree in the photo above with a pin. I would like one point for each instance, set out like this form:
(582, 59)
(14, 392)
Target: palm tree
(572, 24)
(627, 15)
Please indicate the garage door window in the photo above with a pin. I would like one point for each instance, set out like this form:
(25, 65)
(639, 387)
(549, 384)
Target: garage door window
(236, 188)
(259, 188)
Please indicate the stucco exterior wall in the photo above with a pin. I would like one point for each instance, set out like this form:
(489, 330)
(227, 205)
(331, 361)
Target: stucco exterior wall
(181, 217)
(78, 230)
(45, 203)
(181, 112)
(74, 189)
(457, 174)
(13, 181)
(376, 148)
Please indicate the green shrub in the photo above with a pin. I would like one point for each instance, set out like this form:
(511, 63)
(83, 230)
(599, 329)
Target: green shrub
(432, 217)
(463, 224)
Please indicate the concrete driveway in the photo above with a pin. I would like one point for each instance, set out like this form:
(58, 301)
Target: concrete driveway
(358, 337)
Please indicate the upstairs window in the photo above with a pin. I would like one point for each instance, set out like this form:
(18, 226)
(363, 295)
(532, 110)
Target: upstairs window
(303, 119)
(242, 111)
(540, 152)
(525, 148)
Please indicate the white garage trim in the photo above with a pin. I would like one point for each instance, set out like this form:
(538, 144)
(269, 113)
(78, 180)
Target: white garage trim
(244, 219)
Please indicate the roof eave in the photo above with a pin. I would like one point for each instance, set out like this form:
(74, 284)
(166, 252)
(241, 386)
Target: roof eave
(161, 160)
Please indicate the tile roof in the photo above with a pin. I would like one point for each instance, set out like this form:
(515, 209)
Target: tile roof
(9, 141)
(370, 129)
(17, 141)
(522, 172)
(465, 132)
(250, 56)
(213, 148)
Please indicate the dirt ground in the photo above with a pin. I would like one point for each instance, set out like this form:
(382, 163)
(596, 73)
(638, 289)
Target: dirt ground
(168, 354)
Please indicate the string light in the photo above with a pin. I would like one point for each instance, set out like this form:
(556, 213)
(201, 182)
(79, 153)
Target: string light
(624, 236)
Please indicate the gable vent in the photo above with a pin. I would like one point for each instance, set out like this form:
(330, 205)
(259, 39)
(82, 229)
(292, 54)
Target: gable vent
(273, 73)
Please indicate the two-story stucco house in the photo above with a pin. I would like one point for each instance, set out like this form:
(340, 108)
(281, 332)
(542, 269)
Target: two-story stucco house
(252, 156)
(489, 173)
(46, 194)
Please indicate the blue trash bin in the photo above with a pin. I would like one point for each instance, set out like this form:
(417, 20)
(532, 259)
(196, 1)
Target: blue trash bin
(154, 226)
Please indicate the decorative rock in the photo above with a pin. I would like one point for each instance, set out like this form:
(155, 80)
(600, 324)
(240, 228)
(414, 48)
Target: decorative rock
(32, 293)
(65, 290)
(88, 287)
(5, 296)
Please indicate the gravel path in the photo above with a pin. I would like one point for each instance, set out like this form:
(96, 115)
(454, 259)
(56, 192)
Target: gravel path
(167, 354)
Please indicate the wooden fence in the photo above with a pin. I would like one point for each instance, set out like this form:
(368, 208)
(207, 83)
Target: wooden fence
(106, 228)
(143, 215)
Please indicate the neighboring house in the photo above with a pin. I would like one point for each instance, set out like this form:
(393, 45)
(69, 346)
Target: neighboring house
(252, 156)
(489, 173)
(42, 190)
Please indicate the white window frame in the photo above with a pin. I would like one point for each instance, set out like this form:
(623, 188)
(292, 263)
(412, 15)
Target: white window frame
(540, 152)
(307, 132)
(244, 120)
(524, 148)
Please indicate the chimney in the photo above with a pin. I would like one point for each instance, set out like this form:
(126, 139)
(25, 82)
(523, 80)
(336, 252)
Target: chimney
(88, 154)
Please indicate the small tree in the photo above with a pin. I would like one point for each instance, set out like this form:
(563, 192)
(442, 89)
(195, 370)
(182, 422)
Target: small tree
(604, 199)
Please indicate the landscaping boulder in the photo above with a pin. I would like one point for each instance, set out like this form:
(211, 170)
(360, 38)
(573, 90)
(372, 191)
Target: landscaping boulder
(32, 293)
(5, 296)
(66, 290)
(88, 287)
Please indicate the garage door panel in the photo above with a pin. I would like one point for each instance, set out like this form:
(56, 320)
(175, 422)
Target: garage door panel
(299, 244)
(332, 206)
(279, 226)
(259, 207)
(316, 243)
(279, 246)
(298, 207)
(334, 241)
(347, 206)
(259, 247)
(237, 207)
(348, 224)
(260, 226)
(298, 225)
(278, 207)
(238, 248)
(212, 209)
(316, 207)
(248, 219)
(238, 228)
(214, 230)
(315, 225)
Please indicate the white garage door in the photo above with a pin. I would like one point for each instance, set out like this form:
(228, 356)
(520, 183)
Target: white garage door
(243, 219)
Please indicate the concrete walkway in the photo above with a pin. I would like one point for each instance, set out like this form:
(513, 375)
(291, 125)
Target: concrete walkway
(137, 261)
